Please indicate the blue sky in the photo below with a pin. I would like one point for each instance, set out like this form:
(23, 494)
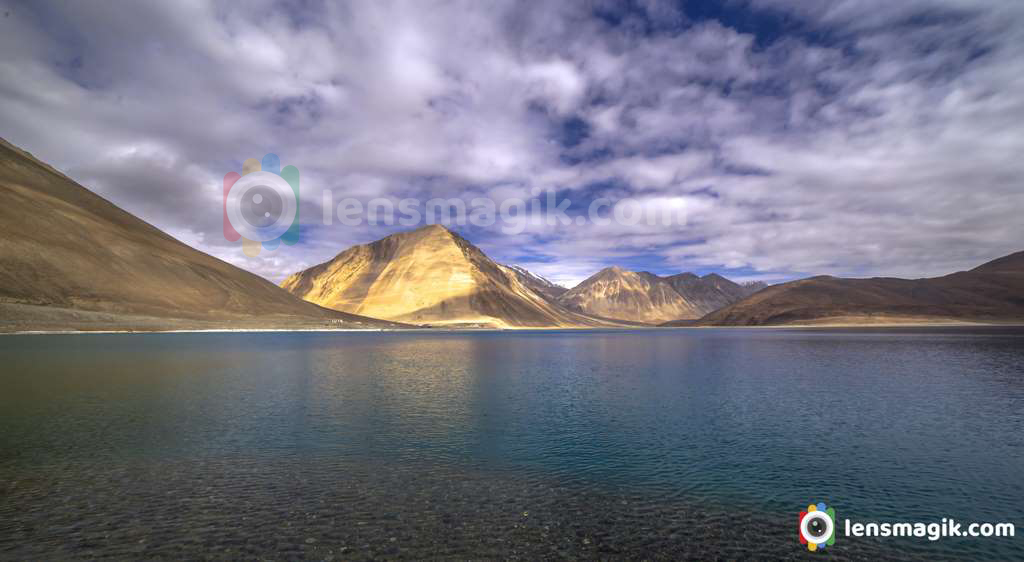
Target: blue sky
(847, 138)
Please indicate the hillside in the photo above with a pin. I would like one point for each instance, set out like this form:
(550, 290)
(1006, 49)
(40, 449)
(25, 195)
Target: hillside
(540, 285)
(615, 292)
(712, 291)
(991, 292)
(71, 259)
(618, 293)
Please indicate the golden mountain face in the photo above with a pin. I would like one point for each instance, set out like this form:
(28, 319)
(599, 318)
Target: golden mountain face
(629, 295)
(429, 276)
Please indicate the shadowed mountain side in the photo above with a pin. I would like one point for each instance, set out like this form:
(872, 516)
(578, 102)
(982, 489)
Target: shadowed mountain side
(712, 291)
(540, 285)
(64, 248)
(992, 292)
(430, 276)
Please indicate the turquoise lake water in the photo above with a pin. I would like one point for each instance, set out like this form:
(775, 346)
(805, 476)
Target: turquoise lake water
(688, 443)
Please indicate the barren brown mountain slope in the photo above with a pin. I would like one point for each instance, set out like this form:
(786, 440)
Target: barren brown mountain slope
(540, 285)
(992, 292)
(429, 276)
(644, 297)
(712, 291)
(614, 292)
(66, 252)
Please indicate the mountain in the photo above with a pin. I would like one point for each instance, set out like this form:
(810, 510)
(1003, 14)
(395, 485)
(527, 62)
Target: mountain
(540, 285)
(991, 292)
(432, 276)
(751, 287)
(644, 297)
(712, 291)
(618, 293)
(70, 259)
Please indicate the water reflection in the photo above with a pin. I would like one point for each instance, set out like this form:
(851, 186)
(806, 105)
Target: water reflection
(629, 434)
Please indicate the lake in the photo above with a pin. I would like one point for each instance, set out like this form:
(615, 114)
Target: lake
(681, 443)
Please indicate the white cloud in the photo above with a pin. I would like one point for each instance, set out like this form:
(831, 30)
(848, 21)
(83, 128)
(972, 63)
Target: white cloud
(873, 138)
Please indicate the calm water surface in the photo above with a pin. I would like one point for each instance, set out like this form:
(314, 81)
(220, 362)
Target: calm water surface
(691, 443)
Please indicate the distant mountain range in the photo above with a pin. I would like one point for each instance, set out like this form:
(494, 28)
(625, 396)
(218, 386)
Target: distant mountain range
(614, 292)
(70, 259)
(433, 276)
(992, 292)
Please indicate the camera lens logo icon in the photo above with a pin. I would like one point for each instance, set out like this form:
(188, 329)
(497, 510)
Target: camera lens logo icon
(261, 205)
(817, 526)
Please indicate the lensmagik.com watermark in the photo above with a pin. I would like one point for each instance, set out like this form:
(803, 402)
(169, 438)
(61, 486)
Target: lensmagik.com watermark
(261, 209)
(817, 527)
(512, 215)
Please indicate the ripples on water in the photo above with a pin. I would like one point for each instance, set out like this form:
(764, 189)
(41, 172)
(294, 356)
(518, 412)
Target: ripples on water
(674, 444)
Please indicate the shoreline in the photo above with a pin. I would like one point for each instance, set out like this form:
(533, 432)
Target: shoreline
(519, 329)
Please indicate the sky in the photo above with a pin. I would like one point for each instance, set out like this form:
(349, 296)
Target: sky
(853, 138)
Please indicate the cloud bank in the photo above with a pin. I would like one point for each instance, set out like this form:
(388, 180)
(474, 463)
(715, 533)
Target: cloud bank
(848, 138)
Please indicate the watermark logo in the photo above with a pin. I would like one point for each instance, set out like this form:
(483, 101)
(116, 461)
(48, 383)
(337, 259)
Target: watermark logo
(817, 526)
(513, 215)
(261, 205)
